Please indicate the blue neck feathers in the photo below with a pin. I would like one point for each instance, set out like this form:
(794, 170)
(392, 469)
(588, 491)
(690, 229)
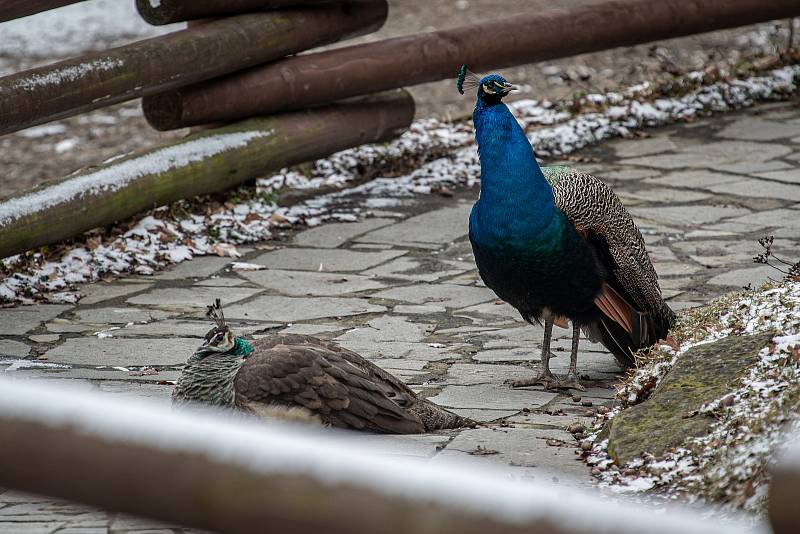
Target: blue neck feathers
(516, 201)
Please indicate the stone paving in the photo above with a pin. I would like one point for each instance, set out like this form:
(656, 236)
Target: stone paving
(400, 288)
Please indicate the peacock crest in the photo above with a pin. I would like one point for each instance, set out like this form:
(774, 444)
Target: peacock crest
(466, 78)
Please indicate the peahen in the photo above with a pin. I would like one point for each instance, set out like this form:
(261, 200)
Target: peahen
(298, 377)
(557, 244)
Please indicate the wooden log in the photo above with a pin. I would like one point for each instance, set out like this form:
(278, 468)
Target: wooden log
(215, 472)
(209, 161)
(204, 51)
(15, 9)
(312, 79)
(784, 514)
(169, 11)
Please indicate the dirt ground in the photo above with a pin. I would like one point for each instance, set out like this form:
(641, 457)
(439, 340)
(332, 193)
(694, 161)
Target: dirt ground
(41, 154)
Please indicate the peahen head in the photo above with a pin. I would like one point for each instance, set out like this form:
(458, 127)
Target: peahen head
(491, 88)
(220, 339)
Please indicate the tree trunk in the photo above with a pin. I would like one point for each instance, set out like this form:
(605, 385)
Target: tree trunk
(207, 162)
(146, 67)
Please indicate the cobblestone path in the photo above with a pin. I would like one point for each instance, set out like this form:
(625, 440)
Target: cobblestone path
(400, 288)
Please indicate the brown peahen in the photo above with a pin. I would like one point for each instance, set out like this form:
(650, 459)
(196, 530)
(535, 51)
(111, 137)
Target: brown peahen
(292, 376)
(557, 244)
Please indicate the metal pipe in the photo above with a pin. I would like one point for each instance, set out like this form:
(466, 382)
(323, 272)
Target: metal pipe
(313, 79)
(215, 472)
(169, 11)
(146, 67)
(15, 9)
(207, 162)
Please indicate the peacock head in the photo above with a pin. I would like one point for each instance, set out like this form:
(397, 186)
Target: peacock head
(220, 339)
(491, 88)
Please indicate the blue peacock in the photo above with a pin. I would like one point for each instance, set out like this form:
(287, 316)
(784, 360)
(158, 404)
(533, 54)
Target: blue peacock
(557, 244)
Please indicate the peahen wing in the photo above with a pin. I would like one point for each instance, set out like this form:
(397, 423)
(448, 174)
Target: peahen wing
(635, 314)
(336, 384)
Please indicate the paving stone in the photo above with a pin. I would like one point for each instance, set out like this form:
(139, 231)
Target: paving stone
(749, 128)
(664, 195)
(521, 354)
(697, 179)
(484, 416)
(626, 174)
(398, 364)
(435, 227)
(791, 176)
(760, 189)
(558, 421)
(448, 295)
(120, 315)
(688, 215)
(187, 328)
(309, 283)
(419, 270)
(332, 260)
(771, 218)
(198, 267)
(123, 352)
(291, 309)
(400, 350)
(18, 321)
(101, 291)
(174, 298)
(713, 155)
(311, 329)
(419, 446)
(675, 268)
(491, 309)
(44, 338)
(39, 527)
(632, 148)
(526, 447)
(741, 277)
(415, 309)
(467, 374)
(387, 328)
(488, 396)
(335, 234)
(222, 281)
(9, 347)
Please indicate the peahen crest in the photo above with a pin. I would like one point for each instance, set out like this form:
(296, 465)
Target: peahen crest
(214, 313)
(466, 78)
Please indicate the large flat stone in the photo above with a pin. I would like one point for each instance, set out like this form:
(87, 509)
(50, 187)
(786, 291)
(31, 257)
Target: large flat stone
(418, 269)
(756, 129)
(491, 397)
(447, 295)
(724, 154)
(435, 227)
(185, 328)
(9, 347)
(173, 298)
(309, 283)
(119, 315)
(92, 351)
(100, 292)
(688, 215)
(18, 321)
(330, 260)
(754, 276)
(640, 147)
(198, 267)
(290, 309)
(791, 176)
(335, 234)
(467, 374)
(760, 189)
(386, 328)
(699, 376)
(399, 350)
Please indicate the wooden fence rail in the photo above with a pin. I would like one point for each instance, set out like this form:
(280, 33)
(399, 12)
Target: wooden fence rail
(316, 78)
(14, 9)
(169, 11)
(211, 161)
(176, 59)
(211, 471)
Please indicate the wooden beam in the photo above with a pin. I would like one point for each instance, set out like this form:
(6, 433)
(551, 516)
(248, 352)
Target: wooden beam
(169, 11)
(312, 79)
(215, 471)
(207, 162)
(15, 9)
(204, 51)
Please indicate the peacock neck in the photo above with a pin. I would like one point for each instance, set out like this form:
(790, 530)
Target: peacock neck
(209, 378)
(514, 192)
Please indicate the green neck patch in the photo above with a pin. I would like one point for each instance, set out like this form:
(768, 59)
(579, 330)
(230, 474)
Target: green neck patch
(241, 348)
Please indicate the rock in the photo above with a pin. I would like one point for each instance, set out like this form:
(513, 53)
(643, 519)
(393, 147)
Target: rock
(703, 374)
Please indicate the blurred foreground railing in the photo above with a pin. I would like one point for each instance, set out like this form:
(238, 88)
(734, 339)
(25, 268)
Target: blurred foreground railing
(212, 471)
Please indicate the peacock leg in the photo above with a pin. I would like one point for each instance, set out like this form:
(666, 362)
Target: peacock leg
(545, 377)
(571, 381)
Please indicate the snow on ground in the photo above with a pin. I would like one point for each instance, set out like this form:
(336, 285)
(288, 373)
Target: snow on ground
(729, 466)
(430, 156)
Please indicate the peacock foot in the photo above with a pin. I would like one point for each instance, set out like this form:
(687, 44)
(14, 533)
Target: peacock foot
(570, 382)
(545, 378)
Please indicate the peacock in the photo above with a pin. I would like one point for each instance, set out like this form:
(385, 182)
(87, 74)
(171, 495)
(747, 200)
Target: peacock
(296, 377)
(557, 244)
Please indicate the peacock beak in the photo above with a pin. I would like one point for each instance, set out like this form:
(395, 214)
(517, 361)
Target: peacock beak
(508, 87)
